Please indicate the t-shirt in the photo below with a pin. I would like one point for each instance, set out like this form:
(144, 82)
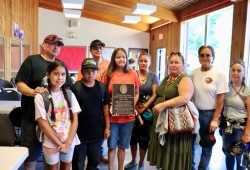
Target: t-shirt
(102, 67)
(146, 88)
(32, 71)
(207, 85)
(91, 119)
(124, 78)
(234, 106)
(62, 121)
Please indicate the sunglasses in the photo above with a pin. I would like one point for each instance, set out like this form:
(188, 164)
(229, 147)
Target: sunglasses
(96, 48)
(175, 53)
(240, 62)
(205, 55)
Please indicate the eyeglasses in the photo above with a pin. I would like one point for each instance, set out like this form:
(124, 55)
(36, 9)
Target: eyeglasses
(240, 62)
(205, 55)
(175, 53)
(96, 48)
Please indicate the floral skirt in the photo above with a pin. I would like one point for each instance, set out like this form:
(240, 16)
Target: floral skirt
(176, 154)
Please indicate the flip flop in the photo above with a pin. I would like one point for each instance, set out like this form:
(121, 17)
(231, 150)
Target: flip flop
(130, 166)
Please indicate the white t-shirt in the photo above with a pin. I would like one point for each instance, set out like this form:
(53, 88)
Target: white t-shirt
(62, 117)
(207, 85)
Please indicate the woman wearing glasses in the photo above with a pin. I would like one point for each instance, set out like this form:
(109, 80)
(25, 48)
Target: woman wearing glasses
(235, 114)
(210, 88)
(175, 90)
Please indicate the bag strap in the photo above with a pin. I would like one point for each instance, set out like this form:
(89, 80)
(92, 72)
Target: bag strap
(241, 97)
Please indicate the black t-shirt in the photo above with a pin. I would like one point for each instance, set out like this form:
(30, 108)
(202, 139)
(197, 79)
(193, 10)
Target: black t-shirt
(91, 119)
(32, 71)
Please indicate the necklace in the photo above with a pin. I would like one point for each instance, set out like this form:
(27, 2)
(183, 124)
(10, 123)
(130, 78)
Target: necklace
(143, 79)
(169, 81)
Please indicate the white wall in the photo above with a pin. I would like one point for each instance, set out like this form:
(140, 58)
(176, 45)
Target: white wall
(51, 22)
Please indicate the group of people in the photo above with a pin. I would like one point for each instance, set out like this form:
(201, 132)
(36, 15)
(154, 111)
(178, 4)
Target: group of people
(79, 120)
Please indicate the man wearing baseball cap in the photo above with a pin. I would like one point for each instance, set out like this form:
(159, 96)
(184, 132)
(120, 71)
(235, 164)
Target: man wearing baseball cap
(93, 125)
(96, 49)
(29, 83)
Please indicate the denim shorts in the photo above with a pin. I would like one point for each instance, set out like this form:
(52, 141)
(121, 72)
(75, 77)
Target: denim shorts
(120, 135)
(52, 155)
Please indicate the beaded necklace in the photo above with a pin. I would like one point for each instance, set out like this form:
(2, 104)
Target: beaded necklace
(170, 77)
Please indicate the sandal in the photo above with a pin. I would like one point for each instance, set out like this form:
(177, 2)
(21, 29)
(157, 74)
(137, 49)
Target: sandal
(130, 166)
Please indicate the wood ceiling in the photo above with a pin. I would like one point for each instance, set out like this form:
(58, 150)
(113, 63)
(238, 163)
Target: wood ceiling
(113, 11)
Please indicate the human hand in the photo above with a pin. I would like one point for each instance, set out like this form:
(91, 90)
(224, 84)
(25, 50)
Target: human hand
(157, 108)
(140, 109)
(106, 134)
(245, 139)
(64, 148)
(38, 90)
(213, 125)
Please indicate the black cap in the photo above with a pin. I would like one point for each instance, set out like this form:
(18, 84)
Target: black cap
(89, 63)
(95, 43)
(53, 38)
(208, 140)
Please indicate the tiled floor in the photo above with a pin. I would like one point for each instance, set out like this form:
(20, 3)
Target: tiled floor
(217, 161)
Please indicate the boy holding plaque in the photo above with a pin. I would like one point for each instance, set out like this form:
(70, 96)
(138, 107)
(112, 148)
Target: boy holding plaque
(119, 79)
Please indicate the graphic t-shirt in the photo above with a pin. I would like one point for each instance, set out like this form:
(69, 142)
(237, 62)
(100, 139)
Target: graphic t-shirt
(62, 123)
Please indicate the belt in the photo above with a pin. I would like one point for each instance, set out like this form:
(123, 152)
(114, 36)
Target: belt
(206, 110)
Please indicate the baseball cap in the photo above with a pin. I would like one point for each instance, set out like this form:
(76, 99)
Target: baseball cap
(208, 140)
(53, 38)
(95, 43)
(89, 63)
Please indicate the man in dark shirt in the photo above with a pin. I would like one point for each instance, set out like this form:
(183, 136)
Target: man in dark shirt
(29, 83)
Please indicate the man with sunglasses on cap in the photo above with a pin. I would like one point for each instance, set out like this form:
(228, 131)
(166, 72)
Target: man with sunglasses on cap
(29, 83)
(96, 49)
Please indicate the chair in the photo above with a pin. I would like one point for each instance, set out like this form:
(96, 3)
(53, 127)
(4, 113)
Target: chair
(5, 84)
(13, 81)
(10, 94)
(6, 132)
(15, 118)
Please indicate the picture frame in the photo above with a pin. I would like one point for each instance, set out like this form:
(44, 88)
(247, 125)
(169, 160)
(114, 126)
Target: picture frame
(107, 53)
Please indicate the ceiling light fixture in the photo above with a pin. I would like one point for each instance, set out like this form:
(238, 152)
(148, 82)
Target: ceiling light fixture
(73, 4)
(131, 19)
(144, 9)
(69, 13)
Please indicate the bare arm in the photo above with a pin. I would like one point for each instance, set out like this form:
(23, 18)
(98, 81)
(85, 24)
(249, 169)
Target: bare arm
(23, 88)
(185, 89)
(246, 135)
(219, 105)
(107, 124)
(47, 130)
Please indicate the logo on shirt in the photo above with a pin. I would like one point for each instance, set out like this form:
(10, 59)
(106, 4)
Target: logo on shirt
(208, 80)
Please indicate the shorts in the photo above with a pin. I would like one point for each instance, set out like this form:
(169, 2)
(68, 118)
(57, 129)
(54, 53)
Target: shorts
(52, 155)
(29, 140)
(120, 135)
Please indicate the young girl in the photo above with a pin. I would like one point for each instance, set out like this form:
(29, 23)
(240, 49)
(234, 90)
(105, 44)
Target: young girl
(120, 126)
(60, 123)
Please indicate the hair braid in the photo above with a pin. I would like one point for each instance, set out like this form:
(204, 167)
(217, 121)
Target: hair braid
(51, 102)
(68, 102)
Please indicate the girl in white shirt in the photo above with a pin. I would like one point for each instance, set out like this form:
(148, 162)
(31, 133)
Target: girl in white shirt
(60, 123)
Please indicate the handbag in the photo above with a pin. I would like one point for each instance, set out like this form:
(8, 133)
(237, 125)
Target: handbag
(180, 119)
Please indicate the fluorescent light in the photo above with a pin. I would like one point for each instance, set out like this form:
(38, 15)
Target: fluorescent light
(131, 19)
(143, 9)
(69, 13)
(73, 4)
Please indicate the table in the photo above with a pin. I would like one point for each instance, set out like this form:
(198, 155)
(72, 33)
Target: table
(11, 158)
(6, 106)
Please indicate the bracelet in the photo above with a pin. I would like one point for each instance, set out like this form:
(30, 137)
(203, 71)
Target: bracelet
(107, 130)
(144, 106)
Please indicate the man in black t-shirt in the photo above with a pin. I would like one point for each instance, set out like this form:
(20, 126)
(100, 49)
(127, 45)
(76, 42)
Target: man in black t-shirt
(29, 83)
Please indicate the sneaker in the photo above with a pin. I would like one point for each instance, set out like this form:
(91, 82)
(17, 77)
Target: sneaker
(130, 166)
(141, 167)
(104, 159)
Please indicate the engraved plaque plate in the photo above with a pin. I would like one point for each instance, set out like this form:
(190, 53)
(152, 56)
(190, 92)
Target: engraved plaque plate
(123, 99)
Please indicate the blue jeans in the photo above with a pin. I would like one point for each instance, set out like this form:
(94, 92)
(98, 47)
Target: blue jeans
(205, 117)
(102, 149)
(90, 149)
(228, 140)
(120, 135)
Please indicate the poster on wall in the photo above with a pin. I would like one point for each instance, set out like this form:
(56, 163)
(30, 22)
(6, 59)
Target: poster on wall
(16, 31)
(133, 55)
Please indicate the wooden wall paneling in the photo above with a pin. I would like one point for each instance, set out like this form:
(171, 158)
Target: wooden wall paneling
(239, 30)
(25, 14)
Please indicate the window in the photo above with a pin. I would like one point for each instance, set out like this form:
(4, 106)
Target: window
(213, 29)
